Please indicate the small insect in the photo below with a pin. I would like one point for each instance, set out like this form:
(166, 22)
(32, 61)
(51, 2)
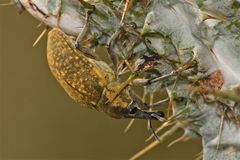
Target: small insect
(91, 82)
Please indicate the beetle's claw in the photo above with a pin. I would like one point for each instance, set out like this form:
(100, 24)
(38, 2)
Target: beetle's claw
(158, 115)
(153, 131)
(83, 32)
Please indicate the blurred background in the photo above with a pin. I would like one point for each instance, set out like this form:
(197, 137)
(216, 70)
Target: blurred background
(38, 121)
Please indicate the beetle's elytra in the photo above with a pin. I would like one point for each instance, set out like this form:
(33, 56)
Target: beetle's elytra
(88, 81)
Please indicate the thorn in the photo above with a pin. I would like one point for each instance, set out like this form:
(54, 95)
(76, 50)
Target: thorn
(128, 126)
(177, 140)
(148, 125)
(39, 25)
(221, 128)
(129, 65)
(189, 2)
(171, 109)
(120, 4)
(11, 3)
(86, 4)
(123, 71)
(145, 150)
(149, 122)
(40, 36)
(127, 5)
(157, 104)
(155, 143)
(208, 14)
(151, 98)
(199, 155)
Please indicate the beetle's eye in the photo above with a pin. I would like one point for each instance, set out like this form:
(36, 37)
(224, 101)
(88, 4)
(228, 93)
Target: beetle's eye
(133, 110)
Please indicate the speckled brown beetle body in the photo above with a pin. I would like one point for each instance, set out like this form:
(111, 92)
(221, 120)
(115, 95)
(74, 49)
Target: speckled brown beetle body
(88, 81)
(81, 77)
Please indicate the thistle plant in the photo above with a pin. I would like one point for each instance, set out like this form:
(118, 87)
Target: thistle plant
(188, 50)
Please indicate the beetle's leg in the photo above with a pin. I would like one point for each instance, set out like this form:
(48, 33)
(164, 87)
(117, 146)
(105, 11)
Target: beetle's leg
(110, 45)
(138, 100)
(159, 117)
(141, 105)
(133, 110)
(58, 16)
(112, 40)
(125, 27)
(83, 32)
(151, 116)
(118, 89)
(153, 131)
(59, 13)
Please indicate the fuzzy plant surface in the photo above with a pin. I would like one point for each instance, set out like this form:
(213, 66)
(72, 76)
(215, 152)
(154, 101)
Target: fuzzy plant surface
(187, 49)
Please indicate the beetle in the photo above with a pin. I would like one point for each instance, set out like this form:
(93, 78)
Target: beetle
(91, 82)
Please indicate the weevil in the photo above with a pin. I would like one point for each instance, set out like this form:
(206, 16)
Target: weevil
(90, 82)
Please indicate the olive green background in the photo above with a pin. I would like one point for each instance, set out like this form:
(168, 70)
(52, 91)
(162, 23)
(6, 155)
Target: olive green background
(38, 121)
